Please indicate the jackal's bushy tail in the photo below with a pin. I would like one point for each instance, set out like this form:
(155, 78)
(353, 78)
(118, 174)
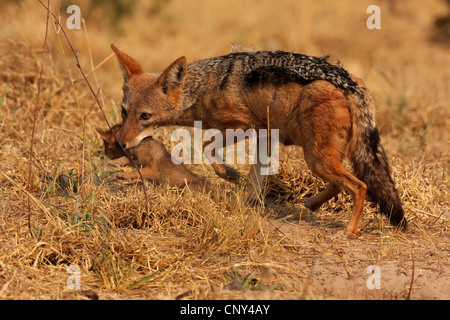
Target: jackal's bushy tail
(369, 159)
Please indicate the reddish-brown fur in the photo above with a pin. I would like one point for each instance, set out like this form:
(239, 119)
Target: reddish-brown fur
(313, 104)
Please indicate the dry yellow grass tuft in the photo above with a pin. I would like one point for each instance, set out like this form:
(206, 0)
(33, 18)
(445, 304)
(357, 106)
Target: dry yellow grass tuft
(195, 246)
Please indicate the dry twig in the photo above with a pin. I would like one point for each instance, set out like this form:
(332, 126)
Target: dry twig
(36, 108)
(412, 277)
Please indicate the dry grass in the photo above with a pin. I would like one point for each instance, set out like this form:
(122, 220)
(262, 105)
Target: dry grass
(197, 246)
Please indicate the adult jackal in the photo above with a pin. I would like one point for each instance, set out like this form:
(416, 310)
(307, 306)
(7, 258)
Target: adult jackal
(313, 103)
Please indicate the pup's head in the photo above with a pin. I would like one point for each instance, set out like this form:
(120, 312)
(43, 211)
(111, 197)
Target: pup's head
(112, 150)
(149, 100)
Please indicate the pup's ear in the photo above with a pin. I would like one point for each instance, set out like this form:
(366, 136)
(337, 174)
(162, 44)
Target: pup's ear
(108, 136)
(172, 79)
(128, 65)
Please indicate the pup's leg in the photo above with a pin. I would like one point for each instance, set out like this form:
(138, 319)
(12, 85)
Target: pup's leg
(147, 173)
(120, 162)
(313, 203)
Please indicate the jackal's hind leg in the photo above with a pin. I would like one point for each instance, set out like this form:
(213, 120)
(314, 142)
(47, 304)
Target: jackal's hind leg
(330, 170)
(325, 128)
(313, 203)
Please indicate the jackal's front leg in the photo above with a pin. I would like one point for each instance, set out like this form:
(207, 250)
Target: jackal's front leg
(222, 170)
(227, 172)
(313, 203)
(255, 182)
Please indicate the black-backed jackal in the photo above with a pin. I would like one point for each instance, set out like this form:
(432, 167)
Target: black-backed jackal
(313, 103)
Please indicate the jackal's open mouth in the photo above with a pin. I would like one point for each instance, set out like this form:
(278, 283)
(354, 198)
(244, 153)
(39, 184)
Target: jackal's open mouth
(147, 138)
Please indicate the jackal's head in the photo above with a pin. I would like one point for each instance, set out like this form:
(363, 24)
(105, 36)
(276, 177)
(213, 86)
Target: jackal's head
(149, 100)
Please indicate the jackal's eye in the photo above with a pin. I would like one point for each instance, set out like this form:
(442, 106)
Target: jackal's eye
(145, 116)
(124, 113)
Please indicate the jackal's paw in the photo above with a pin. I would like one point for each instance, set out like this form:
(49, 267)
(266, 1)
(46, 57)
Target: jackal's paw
(353, 234)
(343, 235)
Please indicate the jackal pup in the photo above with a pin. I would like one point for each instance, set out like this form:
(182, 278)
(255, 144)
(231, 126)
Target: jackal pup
(155, 161)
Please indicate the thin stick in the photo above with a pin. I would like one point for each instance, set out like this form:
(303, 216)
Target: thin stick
(96, 67)
(340, 253)
(412, 277)
(36, 108)
(97, 101)
(83, 193)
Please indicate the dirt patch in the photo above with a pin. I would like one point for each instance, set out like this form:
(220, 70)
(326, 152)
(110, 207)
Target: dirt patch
(370, 268)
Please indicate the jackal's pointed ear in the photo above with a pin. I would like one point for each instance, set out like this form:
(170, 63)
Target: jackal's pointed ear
(128, 65)
(173, 77)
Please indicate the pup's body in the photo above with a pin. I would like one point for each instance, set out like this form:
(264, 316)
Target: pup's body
(155, 162)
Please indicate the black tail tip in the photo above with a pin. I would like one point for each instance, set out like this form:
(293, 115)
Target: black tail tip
(398, 219)
(402, 224)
